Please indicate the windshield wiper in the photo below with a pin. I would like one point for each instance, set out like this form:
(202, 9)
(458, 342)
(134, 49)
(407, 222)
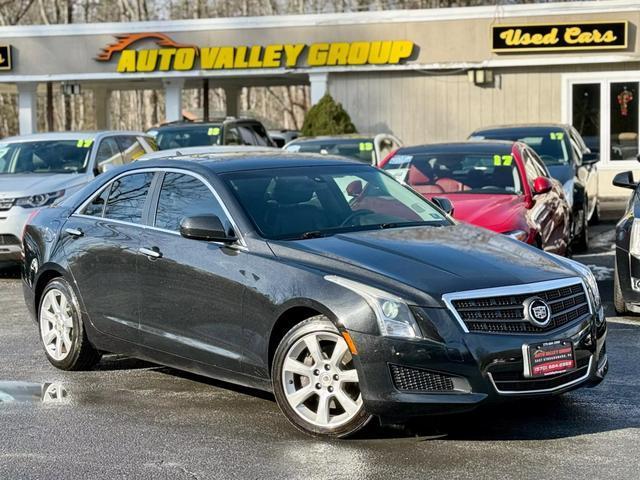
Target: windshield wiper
(313, 234)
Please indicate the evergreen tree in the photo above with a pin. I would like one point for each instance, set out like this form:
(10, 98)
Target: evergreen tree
(327, 117)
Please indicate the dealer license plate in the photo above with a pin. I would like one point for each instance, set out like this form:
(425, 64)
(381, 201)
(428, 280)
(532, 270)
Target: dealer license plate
(548, 358)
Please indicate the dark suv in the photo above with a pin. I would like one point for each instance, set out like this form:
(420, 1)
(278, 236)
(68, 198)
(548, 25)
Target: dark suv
(227, 131)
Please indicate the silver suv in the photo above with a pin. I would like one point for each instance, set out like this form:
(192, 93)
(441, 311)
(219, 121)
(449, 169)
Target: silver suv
(36, 170)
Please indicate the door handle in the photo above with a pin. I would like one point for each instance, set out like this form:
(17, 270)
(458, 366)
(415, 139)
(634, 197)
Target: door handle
(74, 232)
(150, 252)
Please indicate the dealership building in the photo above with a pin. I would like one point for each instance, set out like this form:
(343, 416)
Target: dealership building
(423, 75)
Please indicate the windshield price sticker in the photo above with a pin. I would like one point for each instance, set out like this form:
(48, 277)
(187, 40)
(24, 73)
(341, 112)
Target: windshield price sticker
(366, 146)
(213, 131)
(556, 135)
(502, 160)
(84, 143)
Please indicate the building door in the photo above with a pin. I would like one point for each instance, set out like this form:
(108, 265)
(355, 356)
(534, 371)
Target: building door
(603, 107)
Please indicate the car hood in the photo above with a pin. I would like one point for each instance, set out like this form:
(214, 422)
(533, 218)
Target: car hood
(500, 213)
(562, 173)
(432, 260)
(23, 185)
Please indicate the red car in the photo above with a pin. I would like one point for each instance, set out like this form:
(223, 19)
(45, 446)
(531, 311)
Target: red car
(502, 186)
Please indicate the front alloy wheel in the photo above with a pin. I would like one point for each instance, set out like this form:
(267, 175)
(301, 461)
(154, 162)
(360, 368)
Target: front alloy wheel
(315, 380)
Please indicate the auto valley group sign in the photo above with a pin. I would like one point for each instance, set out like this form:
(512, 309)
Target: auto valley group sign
(559, 37)
(132, 53)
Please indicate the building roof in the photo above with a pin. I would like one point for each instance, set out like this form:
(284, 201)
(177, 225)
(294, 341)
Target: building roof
(497, 12)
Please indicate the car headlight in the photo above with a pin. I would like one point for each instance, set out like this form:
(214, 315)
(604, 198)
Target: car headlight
(634, 239)
(40, 200)
(567, 187)
(393, 314)
(591, 283)
(518, 235)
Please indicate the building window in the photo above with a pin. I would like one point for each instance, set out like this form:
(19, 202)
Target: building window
(624, 120)
(586, 113)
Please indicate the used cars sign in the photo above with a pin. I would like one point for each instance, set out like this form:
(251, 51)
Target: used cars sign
(559, 37)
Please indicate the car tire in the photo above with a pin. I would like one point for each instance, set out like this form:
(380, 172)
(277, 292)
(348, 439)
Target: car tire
(595, 218)
(62, 330)
(315, 381)
(618, 300)
(581, 243)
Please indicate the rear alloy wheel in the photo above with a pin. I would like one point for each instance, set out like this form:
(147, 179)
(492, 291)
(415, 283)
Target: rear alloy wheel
(582, 240)
(61, 329)
(315, 381)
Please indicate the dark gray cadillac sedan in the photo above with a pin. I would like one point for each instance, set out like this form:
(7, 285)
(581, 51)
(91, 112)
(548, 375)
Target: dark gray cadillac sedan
(326, 281)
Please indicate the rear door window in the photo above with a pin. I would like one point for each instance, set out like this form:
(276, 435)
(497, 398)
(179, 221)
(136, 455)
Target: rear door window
(127, 197)
(184, 196)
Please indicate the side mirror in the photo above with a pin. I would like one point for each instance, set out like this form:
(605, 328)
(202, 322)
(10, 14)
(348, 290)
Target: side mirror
(444, 204)
(590, 158)
(354, 189)
(205, 227)
(624, 180)
(542, 185)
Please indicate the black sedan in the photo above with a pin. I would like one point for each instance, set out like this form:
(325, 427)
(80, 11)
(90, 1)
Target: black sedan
(323, 280)
(626, 278)
(568, 160)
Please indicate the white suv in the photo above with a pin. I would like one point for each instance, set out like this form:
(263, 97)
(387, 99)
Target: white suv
(36, 170)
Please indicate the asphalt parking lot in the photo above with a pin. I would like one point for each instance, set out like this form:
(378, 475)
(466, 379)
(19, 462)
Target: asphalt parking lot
(136, 420)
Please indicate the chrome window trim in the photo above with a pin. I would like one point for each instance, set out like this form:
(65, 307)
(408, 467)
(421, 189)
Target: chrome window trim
(449, 298)
(242, 244)
(545, 390)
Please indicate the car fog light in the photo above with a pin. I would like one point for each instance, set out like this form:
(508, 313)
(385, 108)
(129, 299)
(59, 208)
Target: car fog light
(390, 309)
(635, 284)
(600, 318)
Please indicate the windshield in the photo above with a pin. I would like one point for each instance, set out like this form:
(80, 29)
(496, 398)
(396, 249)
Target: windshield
(552, 146)
(308, 202)
(49, 156)
(188, 136)
(432, 174)
(360, 149)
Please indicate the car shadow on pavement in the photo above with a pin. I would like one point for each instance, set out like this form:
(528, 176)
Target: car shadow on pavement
(531, 419)
(113, 362)
(253, 392)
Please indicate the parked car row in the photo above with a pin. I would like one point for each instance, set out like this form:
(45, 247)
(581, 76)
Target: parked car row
(336, 278)
(539, 185)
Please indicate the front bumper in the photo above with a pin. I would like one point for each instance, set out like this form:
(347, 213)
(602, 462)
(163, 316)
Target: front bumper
(469, 369)
(12, 224)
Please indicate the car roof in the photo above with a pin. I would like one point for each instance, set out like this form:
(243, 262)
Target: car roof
(530, 127)
(472, 146)
(321, 138)
(201, 123)
(203, 150)
(80, 135)
(243, 161)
